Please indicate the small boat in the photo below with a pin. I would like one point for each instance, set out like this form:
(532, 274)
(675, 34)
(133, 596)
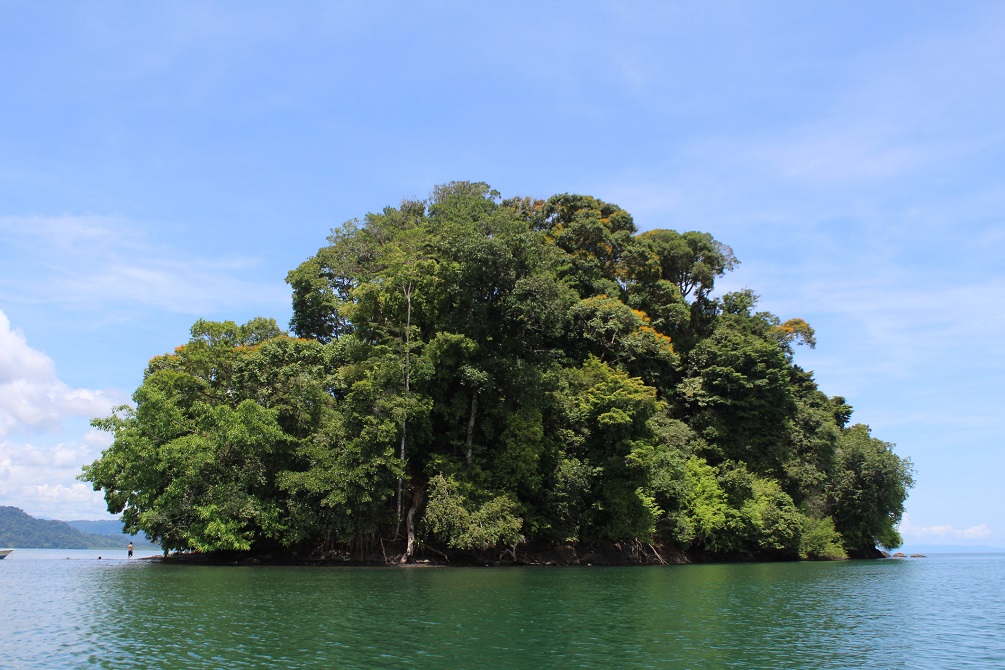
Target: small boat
(4, 552)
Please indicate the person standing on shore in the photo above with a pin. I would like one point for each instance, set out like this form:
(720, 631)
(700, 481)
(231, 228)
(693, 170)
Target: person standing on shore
(130, 550)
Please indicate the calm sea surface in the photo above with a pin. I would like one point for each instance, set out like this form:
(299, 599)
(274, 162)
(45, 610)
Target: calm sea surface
(946, 611)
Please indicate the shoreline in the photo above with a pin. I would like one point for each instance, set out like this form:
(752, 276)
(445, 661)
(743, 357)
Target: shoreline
(545, 558)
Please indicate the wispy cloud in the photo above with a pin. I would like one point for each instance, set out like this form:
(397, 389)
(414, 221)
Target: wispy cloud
(943, 532)
(910, 108)
(110, 266)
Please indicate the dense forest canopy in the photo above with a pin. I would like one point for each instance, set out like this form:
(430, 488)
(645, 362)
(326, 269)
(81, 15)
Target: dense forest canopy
(477, 375)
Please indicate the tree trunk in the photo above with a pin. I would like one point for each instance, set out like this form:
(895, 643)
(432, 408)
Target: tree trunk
(410, 525)
(407, 290)
(471, 422)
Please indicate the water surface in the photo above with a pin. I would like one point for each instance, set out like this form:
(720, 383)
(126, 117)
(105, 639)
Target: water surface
(944, 611)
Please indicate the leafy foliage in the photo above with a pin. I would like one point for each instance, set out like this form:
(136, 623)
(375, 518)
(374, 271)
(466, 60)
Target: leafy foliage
(477, 373)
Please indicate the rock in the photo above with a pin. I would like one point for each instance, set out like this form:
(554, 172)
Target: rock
(900, 555)
(918, 556)
(871, 552)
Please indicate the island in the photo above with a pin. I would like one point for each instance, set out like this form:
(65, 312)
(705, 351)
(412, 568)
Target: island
(472, 379)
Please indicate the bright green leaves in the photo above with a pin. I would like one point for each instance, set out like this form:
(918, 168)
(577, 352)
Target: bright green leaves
(774, 525)
(199, 479)
(606, 405)
(728, 510)
(603, 423)
(219, 487)
(820, 540)
(705, 509)
(124, 470)
(456, 516)
(195, 464)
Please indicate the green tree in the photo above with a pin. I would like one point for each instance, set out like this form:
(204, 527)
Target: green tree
(672, 279)
(603, 420)
(595, 235)
(870, 487)
(345, 479)
(737, 395)
(691, 261)
(455, 516)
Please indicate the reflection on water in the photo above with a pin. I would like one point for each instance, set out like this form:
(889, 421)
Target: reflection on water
(118, 614)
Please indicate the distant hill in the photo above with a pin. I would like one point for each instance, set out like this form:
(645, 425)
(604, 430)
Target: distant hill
(110, 528)
(949, 549)
(18, 529)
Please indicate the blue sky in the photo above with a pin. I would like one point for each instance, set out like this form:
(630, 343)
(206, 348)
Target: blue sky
(163, 162)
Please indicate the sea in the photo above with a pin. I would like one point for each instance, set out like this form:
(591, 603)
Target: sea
(99, 609)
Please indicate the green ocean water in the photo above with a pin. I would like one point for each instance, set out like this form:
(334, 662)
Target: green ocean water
(943, 611)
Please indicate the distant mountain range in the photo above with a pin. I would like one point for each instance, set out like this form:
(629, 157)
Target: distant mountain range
(18, 529)
(949, 549)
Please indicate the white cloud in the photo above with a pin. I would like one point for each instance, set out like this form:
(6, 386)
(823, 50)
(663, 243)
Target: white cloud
(915, 318)
(44, 442)
(32, 397)
(64, 501)
(40, 478)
